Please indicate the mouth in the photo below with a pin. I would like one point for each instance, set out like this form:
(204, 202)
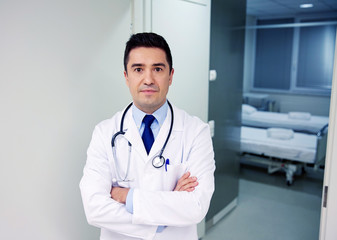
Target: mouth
(148, 91)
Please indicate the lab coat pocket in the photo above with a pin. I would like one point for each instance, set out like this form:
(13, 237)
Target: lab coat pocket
(172, 174)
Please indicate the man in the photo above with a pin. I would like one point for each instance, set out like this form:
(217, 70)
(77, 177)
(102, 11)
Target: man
(127, 190)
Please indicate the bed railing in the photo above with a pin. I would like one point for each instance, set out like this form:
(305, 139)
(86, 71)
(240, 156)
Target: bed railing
(322, 139)
(323, 130)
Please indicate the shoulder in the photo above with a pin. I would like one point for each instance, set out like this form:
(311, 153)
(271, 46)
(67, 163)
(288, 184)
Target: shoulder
(109, 125)
(193, 131)
(106, 122)
(185, 121)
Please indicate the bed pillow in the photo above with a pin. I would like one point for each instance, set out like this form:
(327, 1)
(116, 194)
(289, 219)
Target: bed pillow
(248, 109)
(280, 133)
(299, 115)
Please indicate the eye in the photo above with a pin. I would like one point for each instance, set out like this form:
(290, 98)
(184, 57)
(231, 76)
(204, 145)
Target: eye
(158, 69)
(137, 69)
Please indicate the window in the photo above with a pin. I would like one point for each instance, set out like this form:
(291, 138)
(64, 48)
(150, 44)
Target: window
(273, 56)
(315, 56)
(294, 59)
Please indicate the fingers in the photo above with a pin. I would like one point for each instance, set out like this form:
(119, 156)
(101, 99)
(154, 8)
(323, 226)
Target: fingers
(186, 183)
(119, 194)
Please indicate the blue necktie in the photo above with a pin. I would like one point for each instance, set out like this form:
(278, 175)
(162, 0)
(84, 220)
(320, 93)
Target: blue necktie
(147, 136)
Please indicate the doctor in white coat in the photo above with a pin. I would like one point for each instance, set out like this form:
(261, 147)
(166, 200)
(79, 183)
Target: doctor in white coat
(125, 191)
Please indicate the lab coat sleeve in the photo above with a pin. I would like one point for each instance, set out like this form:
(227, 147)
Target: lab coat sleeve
(173, 208)
(100, 209)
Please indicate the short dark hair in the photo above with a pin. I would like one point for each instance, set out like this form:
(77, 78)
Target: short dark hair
(147, 39)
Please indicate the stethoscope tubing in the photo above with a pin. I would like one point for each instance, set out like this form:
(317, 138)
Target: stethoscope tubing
(122, 132)
(170, 131)
(121, 126)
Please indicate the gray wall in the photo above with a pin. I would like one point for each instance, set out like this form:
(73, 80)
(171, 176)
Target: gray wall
(61, 73)
(225, 96)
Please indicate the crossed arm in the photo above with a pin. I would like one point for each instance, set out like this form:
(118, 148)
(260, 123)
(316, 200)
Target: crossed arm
(102, 203)
(185, 183)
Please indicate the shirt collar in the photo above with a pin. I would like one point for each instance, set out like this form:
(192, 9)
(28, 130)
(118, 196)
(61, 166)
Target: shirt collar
(159, 114)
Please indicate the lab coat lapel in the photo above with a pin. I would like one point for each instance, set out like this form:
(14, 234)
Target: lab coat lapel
(133, 136)
(162, 135)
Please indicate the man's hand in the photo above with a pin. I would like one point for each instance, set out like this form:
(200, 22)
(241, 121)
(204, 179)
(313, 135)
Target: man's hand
(119, 194)
(186, 183)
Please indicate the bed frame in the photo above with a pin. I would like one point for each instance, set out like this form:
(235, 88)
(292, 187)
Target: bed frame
(289, 166)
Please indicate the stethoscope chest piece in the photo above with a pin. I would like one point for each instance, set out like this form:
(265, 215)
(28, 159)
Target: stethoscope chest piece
(158, 161)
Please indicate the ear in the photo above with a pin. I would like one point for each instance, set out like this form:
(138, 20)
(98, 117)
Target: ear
(126, 78)
(171, 76)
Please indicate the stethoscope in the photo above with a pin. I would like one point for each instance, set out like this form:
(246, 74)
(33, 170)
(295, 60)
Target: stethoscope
(157, 161)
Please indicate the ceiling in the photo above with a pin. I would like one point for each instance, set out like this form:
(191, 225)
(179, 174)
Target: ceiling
(288, 7)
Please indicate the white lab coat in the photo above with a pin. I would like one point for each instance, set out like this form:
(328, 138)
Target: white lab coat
(154, 201)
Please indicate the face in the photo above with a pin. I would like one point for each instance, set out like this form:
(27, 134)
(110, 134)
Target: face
(148, 77)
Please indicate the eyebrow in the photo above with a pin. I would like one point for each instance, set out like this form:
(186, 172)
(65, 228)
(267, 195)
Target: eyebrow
(159, 65)
(136, 65)
(154, 65)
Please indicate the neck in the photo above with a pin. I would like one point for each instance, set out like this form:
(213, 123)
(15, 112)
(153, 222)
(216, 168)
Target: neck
(149, 109)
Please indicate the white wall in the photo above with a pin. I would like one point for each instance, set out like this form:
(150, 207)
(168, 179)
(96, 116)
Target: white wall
(61, 73)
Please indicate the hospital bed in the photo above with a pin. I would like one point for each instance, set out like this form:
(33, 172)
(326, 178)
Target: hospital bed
(284, 145)
(298, 121)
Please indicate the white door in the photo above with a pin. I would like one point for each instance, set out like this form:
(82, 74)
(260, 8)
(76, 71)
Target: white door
(328, 229)
(186, 27)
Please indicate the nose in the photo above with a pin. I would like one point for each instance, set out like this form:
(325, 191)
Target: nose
(148, 77)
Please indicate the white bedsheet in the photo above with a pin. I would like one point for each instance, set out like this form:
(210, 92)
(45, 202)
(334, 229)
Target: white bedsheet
(302, 147)
(274, 119)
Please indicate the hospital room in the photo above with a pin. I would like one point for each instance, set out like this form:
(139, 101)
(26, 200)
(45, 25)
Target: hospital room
(260, 73)
(285, 121)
